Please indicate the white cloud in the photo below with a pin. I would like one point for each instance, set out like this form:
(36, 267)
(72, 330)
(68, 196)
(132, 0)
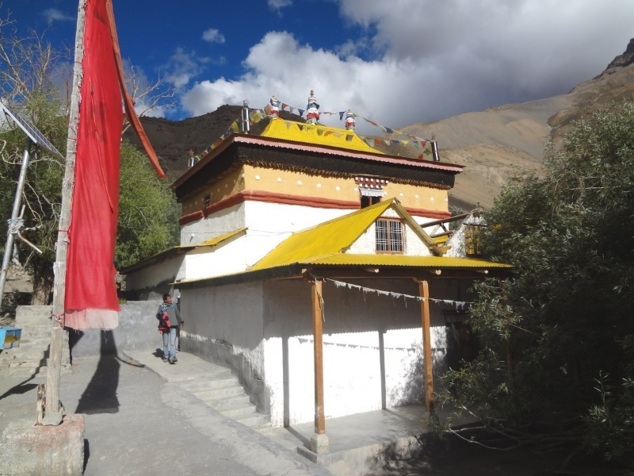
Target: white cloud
(431, 59)
(53, 14)
(183, 67)
(213, 35)
(279, 4)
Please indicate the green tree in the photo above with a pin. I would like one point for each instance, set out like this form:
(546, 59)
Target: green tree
(35, 81)
(148, 212)
(32, 80)
(557, 338)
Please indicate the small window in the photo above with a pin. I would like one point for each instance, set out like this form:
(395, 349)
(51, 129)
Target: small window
(367, 200)
(389, 236)
(370, 189)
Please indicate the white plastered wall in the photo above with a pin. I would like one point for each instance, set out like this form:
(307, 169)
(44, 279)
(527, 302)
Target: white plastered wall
(229, 314)
(361, 330)
(366, 243)
(218, 224)
(265, 218)
(268, 224)
(269, 325)
(151, 276)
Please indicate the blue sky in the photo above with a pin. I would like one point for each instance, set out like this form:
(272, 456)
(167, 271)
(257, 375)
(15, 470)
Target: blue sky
(396, 62)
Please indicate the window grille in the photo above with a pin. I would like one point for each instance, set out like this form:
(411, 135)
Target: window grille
(389, 236)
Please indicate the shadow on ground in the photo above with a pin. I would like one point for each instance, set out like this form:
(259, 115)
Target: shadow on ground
(453, 456)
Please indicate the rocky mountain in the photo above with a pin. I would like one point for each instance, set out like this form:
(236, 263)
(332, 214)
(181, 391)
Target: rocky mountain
(494, 144)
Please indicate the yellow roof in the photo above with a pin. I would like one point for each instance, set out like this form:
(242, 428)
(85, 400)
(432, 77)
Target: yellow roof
(316, 134)
(217, 240)
(325, 239)
(327, 245)
(436, 262)
(336, 236)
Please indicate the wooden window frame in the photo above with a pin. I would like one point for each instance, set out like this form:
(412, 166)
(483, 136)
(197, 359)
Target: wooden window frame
(390, 244)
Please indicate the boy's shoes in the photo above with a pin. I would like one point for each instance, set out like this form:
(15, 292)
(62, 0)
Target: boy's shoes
(164, 359)
(173, 360)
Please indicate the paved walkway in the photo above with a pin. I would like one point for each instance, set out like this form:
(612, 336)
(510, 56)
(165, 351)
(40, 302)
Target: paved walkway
(140, 419)
(354, 441)
(139, 422)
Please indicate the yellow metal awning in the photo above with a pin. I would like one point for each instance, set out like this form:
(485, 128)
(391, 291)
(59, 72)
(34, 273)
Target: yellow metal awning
(435, 262)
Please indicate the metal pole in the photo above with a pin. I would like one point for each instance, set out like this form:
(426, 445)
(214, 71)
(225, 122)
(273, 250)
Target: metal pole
(245, 117)
(11, 231)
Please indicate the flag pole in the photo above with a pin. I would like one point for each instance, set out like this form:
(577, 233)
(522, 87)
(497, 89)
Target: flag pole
(53, 411)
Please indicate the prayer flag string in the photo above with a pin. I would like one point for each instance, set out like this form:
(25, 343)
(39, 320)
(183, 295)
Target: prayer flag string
(459, 305)
(256, 115)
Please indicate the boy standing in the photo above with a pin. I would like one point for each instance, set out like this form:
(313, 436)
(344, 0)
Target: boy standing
(169, 318)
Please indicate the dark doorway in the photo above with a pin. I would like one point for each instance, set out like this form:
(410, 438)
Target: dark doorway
(462, 345)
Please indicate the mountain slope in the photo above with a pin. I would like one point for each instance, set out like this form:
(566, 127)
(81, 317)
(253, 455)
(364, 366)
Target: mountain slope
(500, 142)
(521, 126)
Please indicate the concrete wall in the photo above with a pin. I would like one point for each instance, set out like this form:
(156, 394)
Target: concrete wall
(137, 330)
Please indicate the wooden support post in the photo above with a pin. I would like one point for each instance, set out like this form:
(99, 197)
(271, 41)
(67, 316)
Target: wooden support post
(319, 441)
(53, 412)
(423, 287)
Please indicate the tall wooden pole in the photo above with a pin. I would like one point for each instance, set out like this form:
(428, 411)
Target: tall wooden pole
(319, 441)
(423, 287)
(53, 411)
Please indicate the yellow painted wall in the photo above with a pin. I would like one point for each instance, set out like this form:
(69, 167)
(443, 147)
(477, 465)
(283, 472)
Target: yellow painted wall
(299, 184)
(312, 186)
(227, 186)
(426, 198)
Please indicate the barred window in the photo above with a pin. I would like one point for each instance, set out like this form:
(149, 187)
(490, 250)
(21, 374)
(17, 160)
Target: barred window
(389, 236)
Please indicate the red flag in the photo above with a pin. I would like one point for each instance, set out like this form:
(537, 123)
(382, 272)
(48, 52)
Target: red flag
(127, 100)
(91, 298)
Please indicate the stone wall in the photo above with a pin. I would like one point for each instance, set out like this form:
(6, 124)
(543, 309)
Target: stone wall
(137, 330)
